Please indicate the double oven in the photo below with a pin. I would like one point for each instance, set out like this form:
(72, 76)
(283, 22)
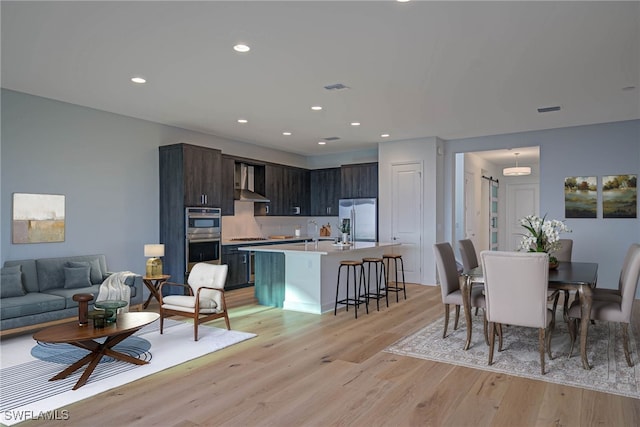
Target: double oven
(202, 236)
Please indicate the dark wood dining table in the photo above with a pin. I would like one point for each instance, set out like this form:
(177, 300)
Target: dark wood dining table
(578, 276)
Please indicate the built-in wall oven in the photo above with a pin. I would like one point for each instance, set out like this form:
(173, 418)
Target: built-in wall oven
(203, 231)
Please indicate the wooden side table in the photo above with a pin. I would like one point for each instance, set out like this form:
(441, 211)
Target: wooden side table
(153, 284)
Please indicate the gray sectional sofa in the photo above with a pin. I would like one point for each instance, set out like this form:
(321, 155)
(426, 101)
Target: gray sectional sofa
(36, 291)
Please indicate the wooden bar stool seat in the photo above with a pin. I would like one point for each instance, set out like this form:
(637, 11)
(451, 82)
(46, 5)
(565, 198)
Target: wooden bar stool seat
(359, 292)
(380, 290)
(396, 286)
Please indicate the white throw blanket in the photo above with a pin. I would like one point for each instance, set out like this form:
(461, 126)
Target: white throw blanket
(115, 288)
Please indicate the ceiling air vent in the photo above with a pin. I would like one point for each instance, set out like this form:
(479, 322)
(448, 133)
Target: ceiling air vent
(332, 138)
(548, 109)
(336, 86)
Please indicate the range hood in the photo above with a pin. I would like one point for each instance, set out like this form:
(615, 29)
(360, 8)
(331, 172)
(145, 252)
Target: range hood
(244, 189)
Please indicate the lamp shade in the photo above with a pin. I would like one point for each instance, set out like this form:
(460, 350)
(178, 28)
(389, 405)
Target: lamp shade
(516, 171)
(154, 250)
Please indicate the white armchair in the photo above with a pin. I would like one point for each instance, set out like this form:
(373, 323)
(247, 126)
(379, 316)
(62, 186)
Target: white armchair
(205, 301)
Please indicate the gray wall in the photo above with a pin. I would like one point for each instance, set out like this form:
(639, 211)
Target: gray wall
(106, 166)
(594, 150)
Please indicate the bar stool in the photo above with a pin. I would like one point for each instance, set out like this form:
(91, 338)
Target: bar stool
(381, 290)
(357, 286)
(396, 288)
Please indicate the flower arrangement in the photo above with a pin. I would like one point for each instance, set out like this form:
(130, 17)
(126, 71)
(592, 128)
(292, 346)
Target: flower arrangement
(542, 235)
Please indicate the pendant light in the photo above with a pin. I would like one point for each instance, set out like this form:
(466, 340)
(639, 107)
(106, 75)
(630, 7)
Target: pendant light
(517, 170)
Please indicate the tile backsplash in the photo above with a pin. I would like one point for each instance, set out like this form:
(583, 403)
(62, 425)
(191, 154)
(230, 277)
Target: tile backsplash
(244, 224)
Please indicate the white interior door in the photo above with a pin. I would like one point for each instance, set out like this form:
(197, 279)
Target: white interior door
(522, 200)
(470, 209)
(406, 217)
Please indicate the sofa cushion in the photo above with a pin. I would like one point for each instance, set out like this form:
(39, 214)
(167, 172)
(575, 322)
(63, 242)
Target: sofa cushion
(77, 277)
(51, 270)
(31, 303)
(68, 294)
(11, 282)
(95, 273)
(29, 274)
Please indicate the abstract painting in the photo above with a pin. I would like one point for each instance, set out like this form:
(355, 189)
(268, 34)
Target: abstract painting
(38, 218)
(619, 196)
(581, 197)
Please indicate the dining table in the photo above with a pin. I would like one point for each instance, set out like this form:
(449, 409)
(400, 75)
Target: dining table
(578, 276)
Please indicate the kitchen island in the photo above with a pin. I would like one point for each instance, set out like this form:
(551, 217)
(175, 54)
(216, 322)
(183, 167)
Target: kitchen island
(302, 276)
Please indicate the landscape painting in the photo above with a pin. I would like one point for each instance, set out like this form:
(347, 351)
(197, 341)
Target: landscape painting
(619, 196)
(38, 218)
(581, 197)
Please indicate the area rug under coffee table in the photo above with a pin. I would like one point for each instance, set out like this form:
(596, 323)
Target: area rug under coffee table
(25, 389)
(520, 357)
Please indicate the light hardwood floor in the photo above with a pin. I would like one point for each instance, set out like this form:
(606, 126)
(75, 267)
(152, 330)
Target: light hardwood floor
(310, 370)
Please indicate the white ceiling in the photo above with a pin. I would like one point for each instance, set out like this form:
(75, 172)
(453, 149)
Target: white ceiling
(417, 69)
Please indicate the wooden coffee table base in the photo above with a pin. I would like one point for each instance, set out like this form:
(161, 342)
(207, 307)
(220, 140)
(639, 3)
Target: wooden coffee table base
(97, 351)
(85, 337)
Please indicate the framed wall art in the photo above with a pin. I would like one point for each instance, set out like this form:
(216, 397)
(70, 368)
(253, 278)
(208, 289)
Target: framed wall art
(581, 197)
(619, 196)
(38, 218)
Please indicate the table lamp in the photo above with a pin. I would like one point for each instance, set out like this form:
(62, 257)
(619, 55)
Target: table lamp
(154, 263)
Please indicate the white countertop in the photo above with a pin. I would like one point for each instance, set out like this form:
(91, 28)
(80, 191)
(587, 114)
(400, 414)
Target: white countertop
(269, 240)
(322, 248)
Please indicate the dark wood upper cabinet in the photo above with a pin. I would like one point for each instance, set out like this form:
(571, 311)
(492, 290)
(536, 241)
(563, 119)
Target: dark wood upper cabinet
(359, 180)
(228, 185)
(193, 172)
(296, 191)
(273, 190)
(325, 191)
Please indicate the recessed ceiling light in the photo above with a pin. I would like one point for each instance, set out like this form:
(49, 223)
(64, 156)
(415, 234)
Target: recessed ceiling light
(403, 1)
(138, 80)
(286, 133)
(384, 135)
(242, 48)
(355, 123)
(243, 121)
(316, 108)
(321, 143)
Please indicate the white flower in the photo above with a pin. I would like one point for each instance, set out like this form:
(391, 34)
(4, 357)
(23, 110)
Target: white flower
(542, 235)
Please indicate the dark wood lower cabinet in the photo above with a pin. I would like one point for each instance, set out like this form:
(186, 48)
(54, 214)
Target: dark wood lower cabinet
(238, 262)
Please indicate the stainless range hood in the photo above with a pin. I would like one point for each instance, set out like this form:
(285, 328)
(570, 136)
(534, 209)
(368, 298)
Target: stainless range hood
(244, 180)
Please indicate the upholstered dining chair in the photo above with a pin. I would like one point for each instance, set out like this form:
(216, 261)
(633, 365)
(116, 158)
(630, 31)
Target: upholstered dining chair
(205, 301)
(450, 286)
(468, 254)
(469, 257)
(515, 286)
(608, 306)
(563, 254)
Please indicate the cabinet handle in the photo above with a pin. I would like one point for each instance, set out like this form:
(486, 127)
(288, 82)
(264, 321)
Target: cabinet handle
(329, 210)
(267, 208)
(244, 258)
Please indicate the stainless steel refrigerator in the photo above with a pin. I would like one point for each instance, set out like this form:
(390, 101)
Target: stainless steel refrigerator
(363, 217)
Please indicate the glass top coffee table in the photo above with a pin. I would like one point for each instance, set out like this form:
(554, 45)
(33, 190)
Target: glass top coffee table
(110, 308)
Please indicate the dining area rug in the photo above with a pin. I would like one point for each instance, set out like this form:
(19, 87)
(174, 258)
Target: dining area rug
(520, 357)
